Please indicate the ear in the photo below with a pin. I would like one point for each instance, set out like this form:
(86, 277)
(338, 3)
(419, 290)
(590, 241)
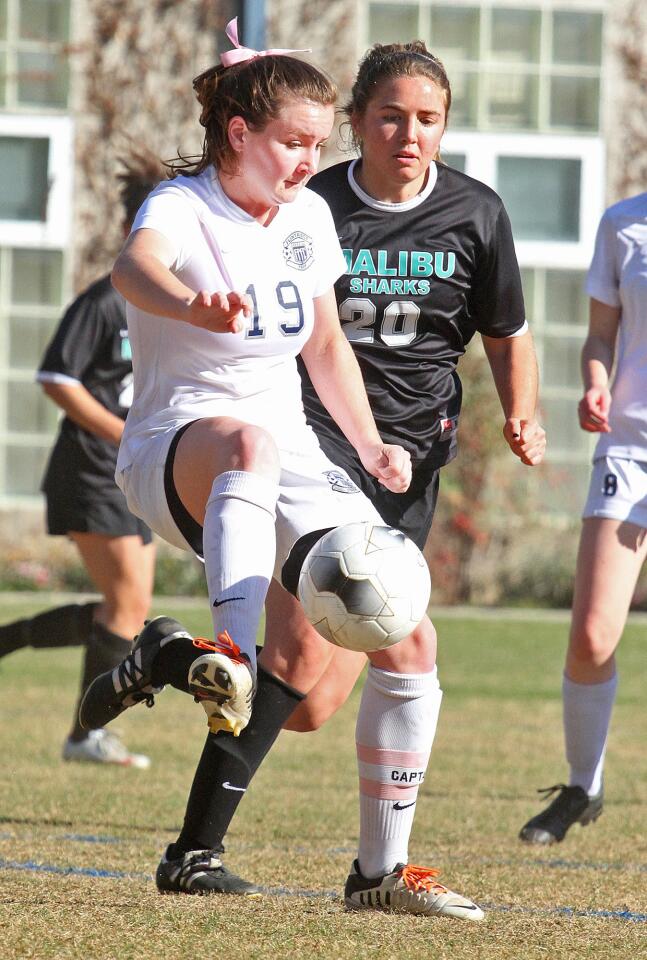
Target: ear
(237, 131)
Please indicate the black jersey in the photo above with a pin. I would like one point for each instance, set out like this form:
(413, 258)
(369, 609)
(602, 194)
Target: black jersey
(422, 277)
(91, 347)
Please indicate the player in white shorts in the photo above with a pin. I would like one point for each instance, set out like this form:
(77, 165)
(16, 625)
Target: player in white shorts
(228, 274)
(613, 544)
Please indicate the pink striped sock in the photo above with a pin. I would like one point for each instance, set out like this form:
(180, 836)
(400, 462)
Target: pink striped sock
(395, 731)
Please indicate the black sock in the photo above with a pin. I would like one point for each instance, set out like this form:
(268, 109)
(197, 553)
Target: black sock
(104, 650)
(233, 761)
(67, 626)
(173, 662)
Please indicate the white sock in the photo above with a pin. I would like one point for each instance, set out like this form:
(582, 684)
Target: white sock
(239, 552)
(587, 715)
(395, 730)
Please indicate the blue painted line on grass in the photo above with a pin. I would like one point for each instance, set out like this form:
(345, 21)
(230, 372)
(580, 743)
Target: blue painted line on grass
(626, 915)
(554, 864)
(560, 864)
(89, 838)
(569, 912)
(72, 871)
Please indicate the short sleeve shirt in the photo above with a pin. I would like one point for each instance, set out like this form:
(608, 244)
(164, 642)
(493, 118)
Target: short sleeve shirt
(182, 372)
(618, 277)
(422, 277)
(90, 347)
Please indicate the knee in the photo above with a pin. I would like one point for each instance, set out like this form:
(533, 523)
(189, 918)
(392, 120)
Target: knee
(415, 654)
(309, 717)
(128, 602)
(255, 451)
(592, 642)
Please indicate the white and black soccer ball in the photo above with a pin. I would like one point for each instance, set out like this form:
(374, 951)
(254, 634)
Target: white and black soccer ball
(364, 586)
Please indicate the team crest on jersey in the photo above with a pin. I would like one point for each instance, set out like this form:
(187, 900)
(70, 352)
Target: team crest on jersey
(340, 483)
(297, 250)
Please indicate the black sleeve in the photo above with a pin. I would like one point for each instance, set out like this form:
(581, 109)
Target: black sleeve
(76, 340)
(497, 298)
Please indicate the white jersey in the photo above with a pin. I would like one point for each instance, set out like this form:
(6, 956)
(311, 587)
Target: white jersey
(183, 373)
(618, 277)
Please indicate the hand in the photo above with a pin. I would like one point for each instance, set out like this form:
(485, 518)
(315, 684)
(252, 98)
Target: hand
(526, 439)
(391, 464)
(220, 312)
(593, 410)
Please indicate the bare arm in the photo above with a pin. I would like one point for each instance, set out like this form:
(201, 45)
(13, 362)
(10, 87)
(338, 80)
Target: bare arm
(81, 407)
(598, 353)
(514, 368)
(337, 378)
(143, 276)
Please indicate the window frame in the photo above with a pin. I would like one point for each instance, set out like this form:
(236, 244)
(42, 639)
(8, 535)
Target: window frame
(482, 151)
(485, 63)
(55, 230)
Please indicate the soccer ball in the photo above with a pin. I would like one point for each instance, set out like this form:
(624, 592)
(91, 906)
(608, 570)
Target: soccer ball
(364, 586)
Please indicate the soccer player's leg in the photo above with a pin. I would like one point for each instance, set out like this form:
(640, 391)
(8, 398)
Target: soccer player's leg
(121, 568)
(227, 515)
(65, 626)
(396, 726)
(611, 554)
(225, 474)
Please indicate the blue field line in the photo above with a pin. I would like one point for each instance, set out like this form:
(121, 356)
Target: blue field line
(560, 864)
(89, 838)
(72, 871)
(568, 912)
(31, 865)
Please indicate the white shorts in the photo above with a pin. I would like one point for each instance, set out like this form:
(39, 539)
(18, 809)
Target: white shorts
(314, 494)
(618, 491)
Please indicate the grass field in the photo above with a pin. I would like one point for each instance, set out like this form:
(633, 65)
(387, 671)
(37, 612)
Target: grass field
(79, 844)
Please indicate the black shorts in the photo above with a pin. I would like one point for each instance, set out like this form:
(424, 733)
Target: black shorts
(79, 508)
(411, 512)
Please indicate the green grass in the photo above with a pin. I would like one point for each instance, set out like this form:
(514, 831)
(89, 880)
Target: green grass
(499, 739)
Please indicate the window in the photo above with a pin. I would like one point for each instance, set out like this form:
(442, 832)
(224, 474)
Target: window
(542, 196)
(557, 310)
(33, 62)
(394, 22)
(30, 306)
(455, 160)
(23, 193)
(35, 210)
(511, 66)
(35, 191)
(552, 188)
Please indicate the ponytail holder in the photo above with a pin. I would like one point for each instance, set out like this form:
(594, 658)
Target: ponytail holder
(243, 54)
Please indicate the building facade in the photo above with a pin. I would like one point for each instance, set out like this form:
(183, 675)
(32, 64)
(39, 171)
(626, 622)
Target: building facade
(545, 110)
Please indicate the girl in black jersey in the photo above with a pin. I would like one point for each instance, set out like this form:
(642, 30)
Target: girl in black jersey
(87, 371)
(430, 262)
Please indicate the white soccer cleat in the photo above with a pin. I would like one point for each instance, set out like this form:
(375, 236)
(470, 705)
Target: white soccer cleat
(223, 682)
(103, 746)
(408, 889)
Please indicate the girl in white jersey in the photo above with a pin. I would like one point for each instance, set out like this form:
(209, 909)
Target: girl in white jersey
(401, 700)
(613, 543)
(228, 274)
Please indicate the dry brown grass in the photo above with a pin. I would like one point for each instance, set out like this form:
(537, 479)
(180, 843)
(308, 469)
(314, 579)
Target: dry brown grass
(498, 740)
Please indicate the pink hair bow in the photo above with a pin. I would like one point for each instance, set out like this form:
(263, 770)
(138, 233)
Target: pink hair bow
(241, 54)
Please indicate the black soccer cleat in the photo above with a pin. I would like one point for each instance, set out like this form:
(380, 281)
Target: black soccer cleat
(201, 872)
(571, 805)
(130, 682)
